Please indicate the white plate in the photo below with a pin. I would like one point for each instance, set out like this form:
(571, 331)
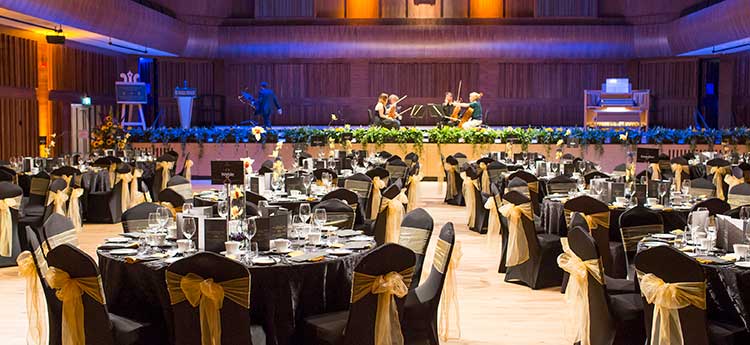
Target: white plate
(743, 264)
(664, 236)
(118, 240)
(125, 251)
(359, 238)
(285, 251)
(328, 228)
(339, 251)
(263, 260)
(651, 244)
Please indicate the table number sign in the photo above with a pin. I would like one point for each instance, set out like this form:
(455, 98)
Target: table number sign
(232, 172)
(644, 155)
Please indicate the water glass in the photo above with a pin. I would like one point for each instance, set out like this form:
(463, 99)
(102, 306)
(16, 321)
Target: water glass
(188, 229)
(187, 208)
(320, 217)
(164, 215)
(223, 208)
(304, 212)
(153, 221)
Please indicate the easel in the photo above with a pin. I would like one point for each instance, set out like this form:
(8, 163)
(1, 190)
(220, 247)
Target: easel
(131, 93)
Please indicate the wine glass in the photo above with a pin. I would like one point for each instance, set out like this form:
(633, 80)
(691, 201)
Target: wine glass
(307, 182)
(581, 184)
(277, 182)
(153, 221)
(250, 229)
(663, 190)
(304, 212)
(745, 216)
(187, 208)
(320, 217)
(685, 187)
(223, 208)
(555, 167)
(164, 215)
(188, 230)
(582, 166)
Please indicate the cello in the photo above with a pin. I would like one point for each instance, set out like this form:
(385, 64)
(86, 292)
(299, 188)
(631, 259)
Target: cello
(457, 110)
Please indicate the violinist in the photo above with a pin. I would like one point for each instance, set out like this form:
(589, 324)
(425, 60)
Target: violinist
(383, 111)
(474, 108)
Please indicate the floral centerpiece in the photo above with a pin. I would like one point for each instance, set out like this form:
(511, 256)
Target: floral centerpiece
(109, 136)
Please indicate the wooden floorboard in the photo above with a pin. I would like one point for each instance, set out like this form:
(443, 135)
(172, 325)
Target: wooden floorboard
(491, 311)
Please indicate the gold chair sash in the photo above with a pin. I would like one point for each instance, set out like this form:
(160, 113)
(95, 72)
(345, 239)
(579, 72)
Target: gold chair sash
(377, 186)
(493, 224)
(165, 167)
(533, 187)
(737, 200)
(578, 326)
(6, 224)
(732, 181)
(485, 178)
(135, 196)
(469, 187)
(677, 170)
(413, 192)
(58, 199)
(209, 297)
(188, 169)
(36, 308)
(668, 299)
(67, 179)
(655, 171)
(387, 324)
(74, 208)
(70, 291)
(449, 315)
(518, 246)
(111, 170)
(415, 239)
(395, 212)
(593, 220)
(126, 179)
(450, 172)
(719, 173)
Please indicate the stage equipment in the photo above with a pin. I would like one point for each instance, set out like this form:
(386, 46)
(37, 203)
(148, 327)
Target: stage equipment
(131, 94)
(616, 105)
(184, 96)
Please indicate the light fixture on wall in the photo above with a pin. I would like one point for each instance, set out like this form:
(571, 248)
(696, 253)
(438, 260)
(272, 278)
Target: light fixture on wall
(144, 51)
(57, 38)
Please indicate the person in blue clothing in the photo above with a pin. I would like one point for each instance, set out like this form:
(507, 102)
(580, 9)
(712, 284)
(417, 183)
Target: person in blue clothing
(266, 104)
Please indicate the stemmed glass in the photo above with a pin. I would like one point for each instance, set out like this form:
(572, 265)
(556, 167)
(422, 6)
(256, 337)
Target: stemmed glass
(581, 184)
(277, 181)
(249, 230)
(663, 190)
(307, 182)
(187, 208)
(164, 216)
(555, 167)
(685, 187)
(582, 166)
(188, 230)
(304, 212)
(596, 187)
(320, 218)
(327, 180)
(745, 216)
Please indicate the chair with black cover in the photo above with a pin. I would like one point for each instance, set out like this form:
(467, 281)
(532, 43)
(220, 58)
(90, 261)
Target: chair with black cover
(636, 224)
(7, 174)
(254, 197)
(561, 185)
(476, 214)
(384, 154)
(716, 170)
(739, 195)
(415, 234)
(107, 206)
(538, 268)
(165, 166)
(680, 169)
(68, 171)
(569, 157)
(204, 273)
(496, 169)
(454, 181)
(385, 229)
(266, 167)
(37, 195)
(351, 198)
(612, 319)
(135, 219)
(318, 174)
(356, 326)
(100, 327)
(714, 205)
(532, 187)
(702, 188)
(421, 306)
(393, 158)
(251, 209)
(619, 170)
(179, 191)
(745, 167)
(338, 213)
(687, 277)
(378, 172)
(58, 230)
(397, 170)
(33, 245)
(460, 157)
(360, 184)
(594, 175)
(57, 198)
(11, 196)
(595, 216)
(411, 158)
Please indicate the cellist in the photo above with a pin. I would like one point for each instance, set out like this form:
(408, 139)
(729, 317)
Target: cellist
(475, 107)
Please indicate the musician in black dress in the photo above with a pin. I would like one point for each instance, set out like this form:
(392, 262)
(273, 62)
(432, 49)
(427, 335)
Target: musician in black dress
(447, 109)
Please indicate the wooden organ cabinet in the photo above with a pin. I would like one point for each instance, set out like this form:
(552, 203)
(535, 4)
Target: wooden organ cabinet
(616, 106)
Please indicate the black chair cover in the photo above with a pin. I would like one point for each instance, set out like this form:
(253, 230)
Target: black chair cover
(416, 231)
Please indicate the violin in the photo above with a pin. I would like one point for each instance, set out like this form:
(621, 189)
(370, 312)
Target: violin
(392, 113)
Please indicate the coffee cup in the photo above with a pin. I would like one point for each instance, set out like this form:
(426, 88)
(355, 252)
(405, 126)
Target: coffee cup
(281, 244)
(295, 192)
(652, 201)
(183, 245)
(314, 237)
(232, 247)
(159, 239)
(621, 200)
(741, 250)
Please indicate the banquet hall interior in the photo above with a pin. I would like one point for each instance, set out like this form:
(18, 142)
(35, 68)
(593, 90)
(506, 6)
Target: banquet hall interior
(374, 172)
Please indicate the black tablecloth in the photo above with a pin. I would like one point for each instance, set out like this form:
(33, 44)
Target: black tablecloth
(281, 296)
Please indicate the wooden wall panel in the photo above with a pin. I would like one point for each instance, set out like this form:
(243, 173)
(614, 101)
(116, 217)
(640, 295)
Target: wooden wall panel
(674, 90)
(18, 62)
(566, 8)
(455, 8)
(330, 8)
(172, 72)
(84, 71)
(392, 8)
(485, 8)
(19, 125)
(421, 79)
(424, 8)
(741, 90)
(284, 8)
(519, 8)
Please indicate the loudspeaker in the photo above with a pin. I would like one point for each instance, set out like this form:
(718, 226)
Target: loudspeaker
(56, 39)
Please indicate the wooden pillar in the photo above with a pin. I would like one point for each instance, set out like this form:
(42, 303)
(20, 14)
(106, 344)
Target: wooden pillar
(726, 91)
(44, 85)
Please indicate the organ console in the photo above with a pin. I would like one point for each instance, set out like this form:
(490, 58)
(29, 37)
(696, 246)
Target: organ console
(616, 105)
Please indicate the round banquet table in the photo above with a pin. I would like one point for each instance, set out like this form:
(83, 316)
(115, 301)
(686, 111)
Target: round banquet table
(289, 204)
(728, 294)
(281, 296)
